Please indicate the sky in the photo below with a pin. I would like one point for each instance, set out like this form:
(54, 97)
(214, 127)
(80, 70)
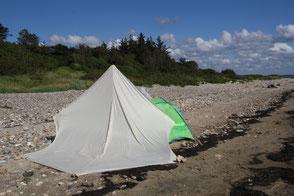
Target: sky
(248, 36)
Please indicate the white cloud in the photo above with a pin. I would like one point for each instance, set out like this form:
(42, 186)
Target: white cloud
(74, 40)
(287, 31)
(91, 41)
(225, 61)
(245, 35)
(165, 20)
(205, 45)
(227, 37)
(177, 53)
(282, 48)
(243, 51)
(114, 43)
(168, 37)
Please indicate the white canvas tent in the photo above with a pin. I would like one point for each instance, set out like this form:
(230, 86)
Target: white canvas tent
(111, 126)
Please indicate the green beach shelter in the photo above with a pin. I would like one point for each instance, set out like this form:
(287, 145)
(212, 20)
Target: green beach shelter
(181, 129)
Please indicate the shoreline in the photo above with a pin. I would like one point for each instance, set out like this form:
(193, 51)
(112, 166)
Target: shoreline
(164, 179)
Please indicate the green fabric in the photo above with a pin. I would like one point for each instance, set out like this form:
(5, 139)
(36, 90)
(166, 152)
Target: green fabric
(181, 129)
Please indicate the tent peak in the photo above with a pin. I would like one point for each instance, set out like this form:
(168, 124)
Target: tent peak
(112, 67)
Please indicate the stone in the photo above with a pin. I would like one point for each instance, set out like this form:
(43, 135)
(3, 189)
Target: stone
(181, 159)
(39, 183)
(60, 183)
(219, 156)
(30, 144)
(271, 86)
(23, 183)
(239, 130)
(5, 151)
(134, 177)
(28, 173)
(87, 184)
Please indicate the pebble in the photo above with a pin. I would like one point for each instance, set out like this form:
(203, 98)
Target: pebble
(219, 156)
(23, 183)
(28, 173)
(30, 144)
(181, 159)
(239, 130)
(60, 183)
(39, 183)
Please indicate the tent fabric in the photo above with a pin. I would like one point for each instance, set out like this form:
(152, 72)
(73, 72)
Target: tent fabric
(111, 126)
(180, 130)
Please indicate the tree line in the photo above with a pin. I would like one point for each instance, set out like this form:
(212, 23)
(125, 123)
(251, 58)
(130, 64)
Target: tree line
(143, 59)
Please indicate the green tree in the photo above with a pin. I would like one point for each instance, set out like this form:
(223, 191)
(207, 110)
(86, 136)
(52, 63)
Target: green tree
(160, 44)
(229, 73)
(27, 38)
(3, 33)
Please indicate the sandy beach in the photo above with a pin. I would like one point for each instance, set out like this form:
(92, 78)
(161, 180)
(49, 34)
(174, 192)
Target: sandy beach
(246, 130)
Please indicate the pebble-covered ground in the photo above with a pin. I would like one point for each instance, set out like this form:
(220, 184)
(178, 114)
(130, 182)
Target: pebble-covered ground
(26, 124)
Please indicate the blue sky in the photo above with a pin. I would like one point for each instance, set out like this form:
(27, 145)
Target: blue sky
(253, 36)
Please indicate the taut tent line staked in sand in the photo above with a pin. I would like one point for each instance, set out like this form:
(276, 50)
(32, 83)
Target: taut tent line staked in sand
(111, 126)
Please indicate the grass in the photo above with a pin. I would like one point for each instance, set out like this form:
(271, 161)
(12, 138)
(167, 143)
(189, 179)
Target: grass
(65, 78)
(61, 79)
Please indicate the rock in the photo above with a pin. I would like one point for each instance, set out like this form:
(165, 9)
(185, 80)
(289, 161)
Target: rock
(2, 161)
(239, 130)
(23, 183)
(50, 138)
(271, 86)
(259, 132)
(60, 183)
(123, 186)
(44, 175)
(219, 156)
(87, 184)
(28, 173)
(39, 183)
(134, 177)
(30, 144)
(5, 151)
(184, 144)
(181, 159)
(74, 177)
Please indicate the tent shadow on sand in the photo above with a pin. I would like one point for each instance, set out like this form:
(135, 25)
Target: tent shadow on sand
(140, 174)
